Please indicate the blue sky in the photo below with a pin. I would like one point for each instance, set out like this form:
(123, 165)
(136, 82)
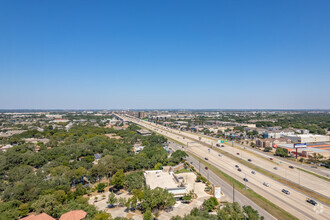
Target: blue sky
(164, 54)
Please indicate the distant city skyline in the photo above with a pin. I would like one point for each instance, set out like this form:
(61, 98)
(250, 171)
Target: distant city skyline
(165, 54)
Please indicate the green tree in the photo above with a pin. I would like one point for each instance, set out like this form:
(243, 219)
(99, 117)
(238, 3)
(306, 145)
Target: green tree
(147, 215)
(23, 209)
(210, 204)
(282, 152)
(60, 195)
(118, 179)
(251, 213)
(158, 166)
(268, 149)
(100, 187)
(112, 200)
(103, 216)
(157, 198)
(134, 180)
(121, 201)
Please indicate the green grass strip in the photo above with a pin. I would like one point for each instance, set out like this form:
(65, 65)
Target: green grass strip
(315, 174)
(268, 206)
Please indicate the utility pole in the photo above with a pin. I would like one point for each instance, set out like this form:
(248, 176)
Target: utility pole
(233, 193)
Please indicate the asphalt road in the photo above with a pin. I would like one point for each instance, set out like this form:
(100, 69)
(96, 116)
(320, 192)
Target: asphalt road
(295, 175)
(225, 187)
(295, 203)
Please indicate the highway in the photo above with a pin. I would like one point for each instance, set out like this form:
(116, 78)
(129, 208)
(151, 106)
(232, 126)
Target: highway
(282, 169)
(320, 170)
(225, 187)
(295, 203)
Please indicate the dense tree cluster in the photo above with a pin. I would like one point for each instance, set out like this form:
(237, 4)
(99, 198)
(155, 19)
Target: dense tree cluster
(228, 211)
(54, 179)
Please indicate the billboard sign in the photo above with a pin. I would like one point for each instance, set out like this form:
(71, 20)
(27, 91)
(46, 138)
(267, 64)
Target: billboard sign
(300, 145)
(217, 192)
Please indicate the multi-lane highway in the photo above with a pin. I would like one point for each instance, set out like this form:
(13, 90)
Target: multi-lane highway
(227, 189)
(295, 203)
(282, 169)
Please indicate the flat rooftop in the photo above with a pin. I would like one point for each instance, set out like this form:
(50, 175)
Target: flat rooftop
(158, 178)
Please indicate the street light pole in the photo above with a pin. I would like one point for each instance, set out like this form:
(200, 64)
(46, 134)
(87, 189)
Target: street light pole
(233, 193)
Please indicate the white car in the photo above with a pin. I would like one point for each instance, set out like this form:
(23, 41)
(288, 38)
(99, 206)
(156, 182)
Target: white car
(266, 184)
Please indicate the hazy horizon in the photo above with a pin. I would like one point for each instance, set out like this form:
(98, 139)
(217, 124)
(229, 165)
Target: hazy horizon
(165, 54)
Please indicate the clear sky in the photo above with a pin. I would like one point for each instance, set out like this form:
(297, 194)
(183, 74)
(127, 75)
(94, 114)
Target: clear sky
(164, 54)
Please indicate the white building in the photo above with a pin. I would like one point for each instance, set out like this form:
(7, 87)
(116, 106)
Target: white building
(165, 180)
(307, 138)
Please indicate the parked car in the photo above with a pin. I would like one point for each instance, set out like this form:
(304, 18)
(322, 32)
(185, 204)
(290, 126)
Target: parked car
(291, 167)
(206, 158)
(237, 153)
(219, 155)
(275, 168)
(222, 145)
(249, 160)
(271, 158)
(239, 170)
(245, 180)
(218, 145)
(206, 168)
(236, 166)
(285, 191)
(311, 201)
(253, 172)
(266, 184)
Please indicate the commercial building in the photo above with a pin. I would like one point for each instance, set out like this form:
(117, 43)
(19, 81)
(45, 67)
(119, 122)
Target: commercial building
(307, 138)
(165, 179)
(311, 149)
(144, 132)
(270, 142)
(141, 114)
(278, 133)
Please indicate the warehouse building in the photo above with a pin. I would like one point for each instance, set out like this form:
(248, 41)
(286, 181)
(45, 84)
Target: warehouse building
(307, 138)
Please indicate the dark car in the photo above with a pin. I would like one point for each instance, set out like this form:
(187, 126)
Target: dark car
(253, 172)
(218, 145)
(311, 201)
(222, 145)
(206, 168)
(237, 153)
(245, 180)
(239, 170)
(285, 191)
(206, 158)
(271, 158)
(236, 166)
(249, 160)
(291, 167)
(275, 168)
